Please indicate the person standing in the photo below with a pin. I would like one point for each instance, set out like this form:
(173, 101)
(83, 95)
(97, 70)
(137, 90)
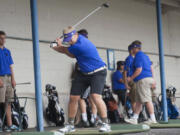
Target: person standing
(92, 74)
(7, 80)
(118, 85)
(143, 77)
(128, 71)
(86, 97)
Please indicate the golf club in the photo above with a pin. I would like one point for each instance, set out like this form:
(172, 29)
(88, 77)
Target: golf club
(105, 5)
(25, 83)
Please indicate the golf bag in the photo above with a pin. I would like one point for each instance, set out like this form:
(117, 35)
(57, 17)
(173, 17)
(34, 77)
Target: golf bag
(1, 114)
(129, 112)
(157, 108)
(54, 113)
(144, 115)
(173, 111)
(17, 112)
(112, 106)
(128, 107)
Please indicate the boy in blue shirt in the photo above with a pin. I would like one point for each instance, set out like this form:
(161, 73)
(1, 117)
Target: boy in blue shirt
(143, 77)
(84, 96)
(118, 85)
(128, 71)
(92, 73)
(7, 80)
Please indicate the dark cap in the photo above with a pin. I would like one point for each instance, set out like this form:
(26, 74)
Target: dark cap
(120, 63)
(130, 47)
(83, 32)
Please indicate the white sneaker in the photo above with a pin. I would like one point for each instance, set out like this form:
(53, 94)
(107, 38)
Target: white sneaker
(67, 129)
(105, 128)
(131, 121)
(149, 122)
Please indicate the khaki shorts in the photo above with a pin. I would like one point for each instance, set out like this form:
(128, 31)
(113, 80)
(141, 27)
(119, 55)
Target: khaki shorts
(132, 93)
(6, 92)
(144, 93)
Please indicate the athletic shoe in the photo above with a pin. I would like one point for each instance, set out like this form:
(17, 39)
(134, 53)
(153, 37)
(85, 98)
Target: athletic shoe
(149, 122)
(105, 128)
(67, 129)
(94, 124)
(99, 122)
(11, 128)
(131, 121)
(84, 124)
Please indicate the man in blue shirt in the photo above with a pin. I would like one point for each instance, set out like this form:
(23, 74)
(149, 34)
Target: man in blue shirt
(128, 71)
(118, 85)
(92, 72)
(143, 77)
(7, 81)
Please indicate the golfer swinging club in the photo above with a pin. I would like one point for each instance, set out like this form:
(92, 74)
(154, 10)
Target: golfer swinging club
(92, 73)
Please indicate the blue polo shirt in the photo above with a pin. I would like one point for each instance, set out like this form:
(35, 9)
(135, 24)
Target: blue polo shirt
(129, 65)
(115, 81)
(143, 61)
(86, 55)
(5, 62)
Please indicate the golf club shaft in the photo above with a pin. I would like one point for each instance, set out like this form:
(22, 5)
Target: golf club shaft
(86, 17)
(25, 83)
(106, 5)
(82, 20)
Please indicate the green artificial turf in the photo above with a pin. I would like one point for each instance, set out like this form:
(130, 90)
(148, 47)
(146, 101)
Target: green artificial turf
(116, 130)
(170, 124)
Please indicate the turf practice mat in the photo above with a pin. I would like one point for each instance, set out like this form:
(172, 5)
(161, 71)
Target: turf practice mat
(170, 124)
(33, 133)
(116, 130)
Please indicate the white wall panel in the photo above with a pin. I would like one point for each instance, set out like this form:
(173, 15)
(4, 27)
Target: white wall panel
(116, 27)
